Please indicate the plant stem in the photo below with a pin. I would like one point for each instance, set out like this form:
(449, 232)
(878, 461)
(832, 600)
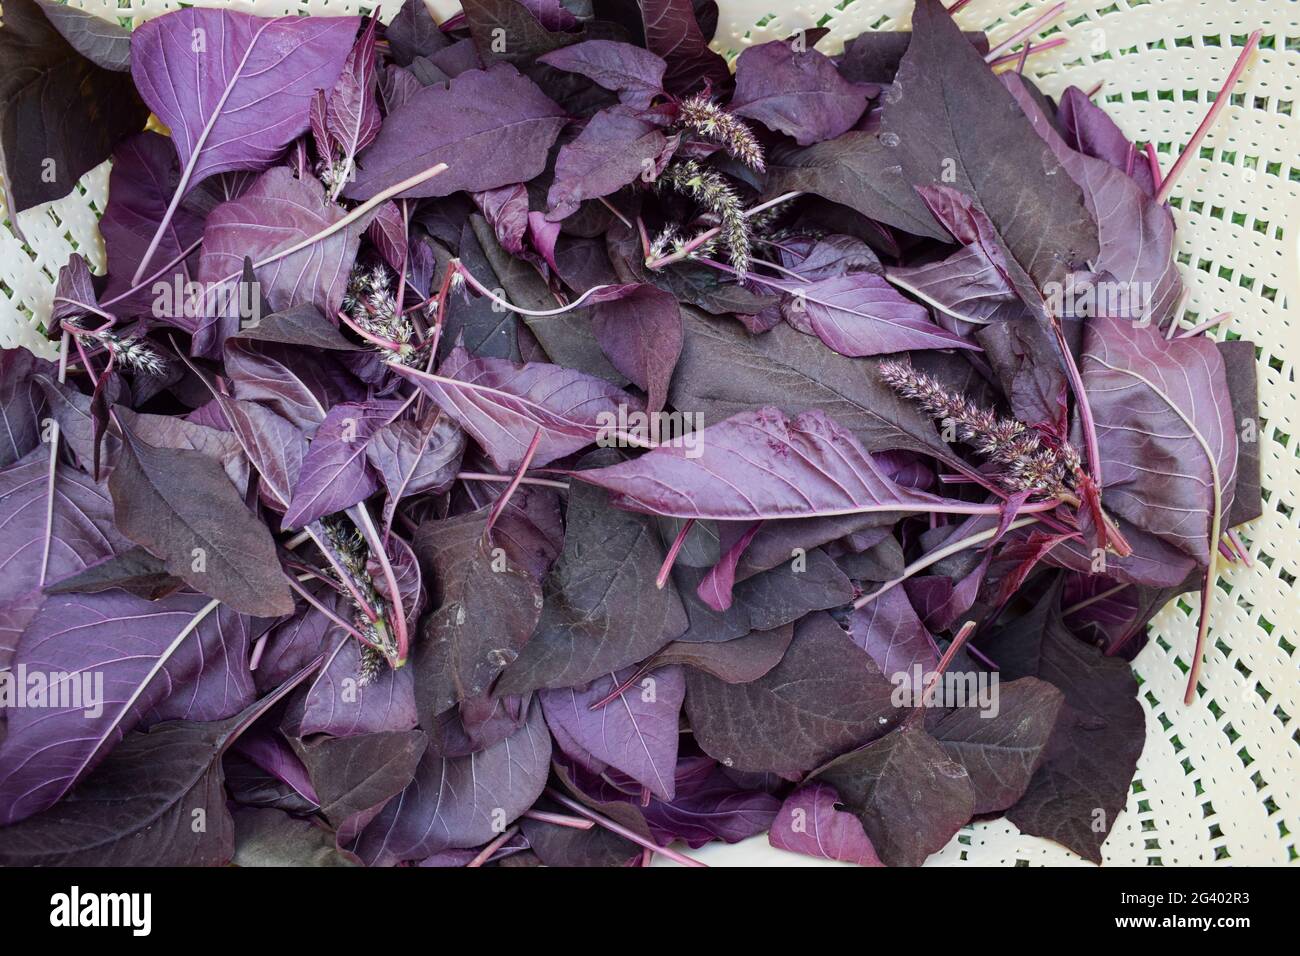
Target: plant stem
(559, 819)
(621, 830)
(1220, 101)
(486, 853)
(937, 555)
(666, 568)
(361, 516)
(504, 498)
(485, 476)
(54, 465)
(1034, 25)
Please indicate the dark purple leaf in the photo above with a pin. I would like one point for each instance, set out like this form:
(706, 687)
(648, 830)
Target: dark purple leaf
(356, 776)
(810, 822)
(797, 92)
(948, 116)
(602, 610)
(485, 611)
(736, 661)
(1001, 750)
(352, 112)
(63, 111)
(641, 333)
(181, 506)
(413, 32)
(709, 806)
(672, 32)
(22, 403)
(414, 458)
(910, 797)
(637, 75)
(503, 127)
(1087, 767)
(144, 179)
(1089, 130)
(826, 695)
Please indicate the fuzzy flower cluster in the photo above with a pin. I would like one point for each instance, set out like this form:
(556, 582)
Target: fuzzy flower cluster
(710, 189)
(701, 115)
(672, 240)
(129, 352)
(370, 303)
(350, 553)
(1026, 462)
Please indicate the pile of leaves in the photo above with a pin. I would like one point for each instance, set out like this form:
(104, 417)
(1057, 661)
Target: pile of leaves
(522, 439)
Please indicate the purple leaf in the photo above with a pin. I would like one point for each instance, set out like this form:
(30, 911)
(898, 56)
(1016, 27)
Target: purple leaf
(297, 385)
(502, 405)
(340, 702)
(81, 530)
(810, 822)
(235, 89)
(992, 150)
(141, 650)
(335, 474)
(1164, 423)
(462, 802)
(22, 402)
(352, 113)
(181, 506)
(861, 315)
(602, 610)
(636, 732)
(500, 129)
(796, 92)
(506, 209)
(672, 32)
(636, 74)
(826, 695)
(910, 797)
(223, 684)
(760, 465)
(485, 612)
(641, 333)
(1001, 751)
(356, 776)
(615, 148)
(709, 806)
(1089, 130)
(413, 32)
(889, 630)
(276, 214)
(144, 179)
(413, 458)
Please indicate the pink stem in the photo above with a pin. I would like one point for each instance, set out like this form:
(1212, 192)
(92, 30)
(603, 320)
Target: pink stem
(1030, 50)
(1220, 101)
(1206, 325)
(621, 830)
(486, 853)
(666, 568)
(1241, 548)
(502, 501)
(54, 465)
(1157, 177)
(485, 476)
(1029, 29)
(559, 819)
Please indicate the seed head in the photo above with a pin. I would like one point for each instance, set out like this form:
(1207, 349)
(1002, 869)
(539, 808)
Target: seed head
(701, 115)
(710, 189)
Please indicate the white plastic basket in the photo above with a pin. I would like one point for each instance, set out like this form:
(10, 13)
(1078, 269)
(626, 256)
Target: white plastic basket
(1219, 780)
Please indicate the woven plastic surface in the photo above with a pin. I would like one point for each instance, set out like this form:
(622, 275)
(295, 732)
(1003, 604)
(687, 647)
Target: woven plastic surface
(1219, 780)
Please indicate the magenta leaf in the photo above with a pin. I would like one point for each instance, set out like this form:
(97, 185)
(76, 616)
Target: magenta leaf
(641, 334)
(635, 733)
(615, 148)
(860, 314)
(810, 822)
(759, 465)
(502, 405)
(235, 89)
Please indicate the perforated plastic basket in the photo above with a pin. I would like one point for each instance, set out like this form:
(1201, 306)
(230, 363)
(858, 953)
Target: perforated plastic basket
(1219, 780)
